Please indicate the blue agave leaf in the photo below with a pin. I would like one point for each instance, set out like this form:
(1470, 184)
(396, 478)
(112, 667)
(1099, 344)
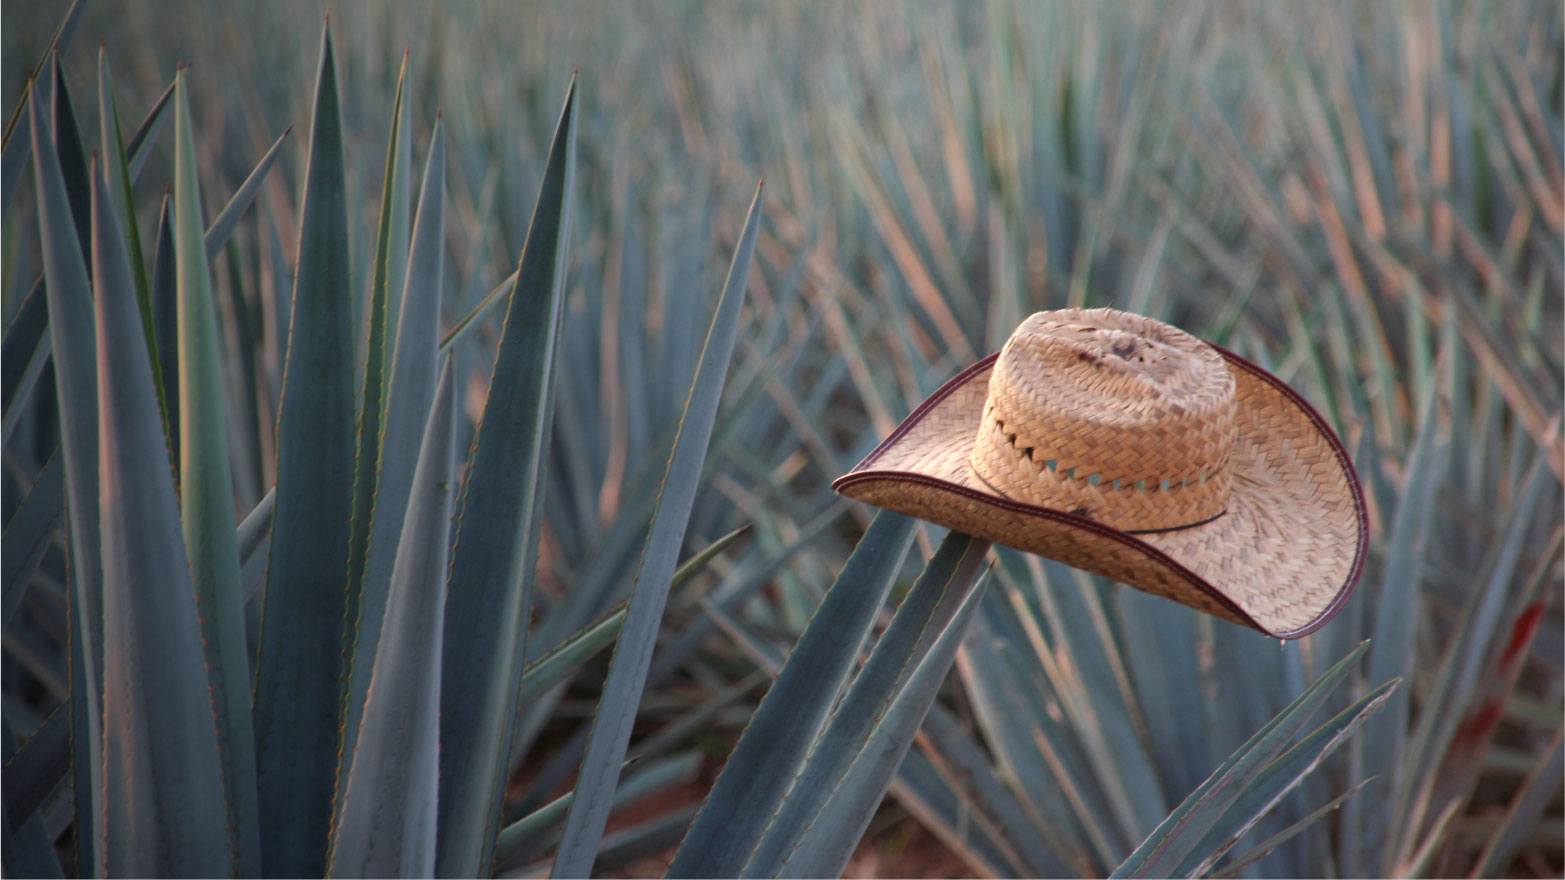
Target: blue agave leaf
(632, 658)
(387, 823)
(493, 560)
(164, 807)
(301, 665)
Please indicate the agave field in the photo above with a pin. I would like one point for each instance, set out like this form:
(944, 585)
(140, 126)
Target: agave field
(420, 420)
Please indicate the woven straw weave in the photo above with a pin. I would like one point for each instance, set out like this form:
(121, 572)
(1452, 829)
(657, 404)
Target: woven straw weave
(1288, 538)
(1112, 416)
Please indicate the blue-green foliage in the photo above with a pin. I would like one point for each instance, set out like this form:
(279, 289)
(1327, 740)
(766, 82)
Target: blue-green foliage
(1373, 211)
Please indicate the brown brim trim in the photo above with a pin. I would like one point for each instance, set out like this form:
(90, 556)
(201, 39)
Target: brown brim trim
(864, 472)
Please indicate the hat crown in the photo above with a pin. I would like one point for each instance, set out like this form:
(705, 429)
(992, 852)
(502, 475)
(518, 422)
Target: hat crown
(1109, 415)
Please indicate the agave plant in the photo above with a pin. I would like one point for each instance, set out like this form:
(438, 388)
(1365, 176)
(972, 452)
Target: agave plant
(358, 605)
(932, 178)
(1336, 210)
(390, 668)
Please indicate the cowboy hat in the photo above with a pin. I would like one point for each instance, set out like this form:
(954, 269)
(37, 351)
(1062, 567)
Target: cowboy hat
(1123, 446)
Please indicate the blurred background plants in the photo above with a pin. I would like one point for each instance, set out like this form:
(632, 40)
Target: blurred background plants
(1366, 198)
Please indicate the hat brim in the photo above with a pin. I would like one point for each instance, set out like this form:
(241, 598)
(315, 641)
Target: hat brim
(1283, 557)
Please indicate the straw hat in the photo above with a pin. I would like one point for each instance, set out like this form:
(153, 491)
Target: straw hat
(1123, 446)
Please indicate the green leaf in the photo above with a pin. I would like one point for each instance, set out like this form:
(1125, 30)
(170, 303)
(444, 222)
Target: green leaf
(139, 147)
(700, 720)
(72, 337)
(13, 156)
(222, 228)
(1182, 831)
(299, 683)
(207, 497)
(256, 527)
(86, 726)
(28, 848)
(981, 782)
(26, 343)
(616, 713)
(772, 750)
(18, 139)
(1270, 844)
(941, 799)
(58, 44)
(1011, 696)
(163, 283)
(1458, 675)
(1159, 644)
(72, 153)
(1523, 813)
(1397, 607)
(33, 773)
(29, 534)
(387, 823)
(602, 578)
(824, 847)
(164, 293)
(163, 780)
(525, 837)
(390, 263)
(496, 549)
(25, 384)
(254, 535)
(1280, 778)
(1097, 703)
(116, 170)
(1245, 703)
(923, 615)
(696, 563)
(624, 846)
(395, 444)
(567, 657)
(470, 320)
